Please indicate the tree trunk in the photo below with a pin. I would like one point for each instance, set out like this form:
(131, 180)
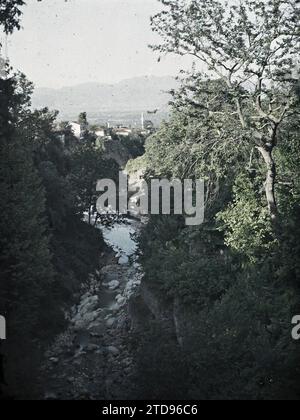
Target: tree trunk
(267, 154)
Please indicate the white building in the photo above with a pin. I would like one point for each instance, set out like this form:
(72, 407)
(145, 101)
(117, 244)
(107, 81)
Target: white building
(77, 129)
(123, 131)
(100, 132)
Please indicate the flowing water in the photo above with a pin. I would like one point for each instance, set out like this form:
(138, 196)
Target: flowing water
(120, 237)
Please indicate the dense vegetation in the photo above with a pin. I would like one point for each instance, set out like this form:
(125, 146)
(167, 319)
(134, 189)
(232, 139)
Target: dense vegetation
(47, 251)
(237, 275)
(47, 181)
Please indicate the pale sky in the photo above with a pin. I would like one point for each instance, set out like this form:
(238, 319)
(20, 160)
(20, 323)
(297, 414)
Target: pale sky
(67, 42)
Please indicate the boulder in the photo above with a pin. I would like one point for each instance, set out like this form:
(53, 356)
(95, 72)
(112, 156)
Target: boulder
(123, 260)
(121, 300)
(83, 320)
(115, 307)
(113, 285)
(92, 348)
(113, 350)
(91, 316)
(110, 322)
(89, 304)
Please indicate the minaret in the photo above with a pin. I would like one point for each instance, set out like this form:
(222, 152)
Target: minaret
(143, 121)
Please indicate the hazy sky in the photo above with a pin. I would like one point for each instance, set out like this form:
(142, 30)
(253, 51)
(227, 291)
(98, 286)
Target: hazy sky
(65, 42)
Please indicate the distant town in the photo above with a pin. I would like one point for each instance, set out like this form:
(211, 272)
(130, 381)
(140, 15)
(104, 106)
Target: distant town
(108, 131)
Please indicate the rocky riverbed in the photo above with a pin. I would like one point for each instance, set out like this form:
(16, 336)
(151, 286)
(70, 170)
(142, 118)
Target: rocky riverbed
(92, 358)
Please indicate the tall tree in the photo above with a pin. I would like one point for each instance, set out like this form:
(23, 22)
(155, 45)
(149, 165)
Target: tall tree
(253, 46)
(25, 262)
(89, 166)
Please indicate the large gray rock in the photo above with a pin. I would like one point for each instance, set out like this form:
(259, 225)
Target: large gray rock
(108, 270)
(110, 322)
(115, 307)
(121, 300)
(123, 260)
(89, 304)
(113, 350)
(84, 320)
(91, 316)
(92, 348)
(113, 285)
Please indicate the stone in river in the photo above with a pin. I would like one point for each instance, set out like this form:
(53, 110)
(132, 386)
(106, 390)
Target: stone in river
(113, 350)
(121, 300)
(114, 284)
(89, 304)
(110, 322)
(123, 260)
(92, 347)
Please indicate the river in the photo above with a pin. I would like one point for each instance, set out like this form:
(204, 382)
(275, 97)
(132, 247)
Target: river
(120, 237)
(92, 358)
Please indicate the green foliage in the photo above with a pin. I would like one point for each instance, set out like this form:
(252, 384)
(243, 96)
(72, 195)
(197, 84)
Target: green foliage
(288, 157)
(89, 166)
(200, 144)
(46, 250)
(246, 222)
(27, 273)
(240, 346)
(82, 119)
(185, 263)
(10, 14)
(161, 367)
(232, 283)
(25, 256)
(253, 43)
(134, 144)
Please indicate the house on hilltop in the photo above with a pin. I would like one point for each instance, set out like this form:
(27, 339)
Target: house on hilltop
(123, 131)
(77, 129)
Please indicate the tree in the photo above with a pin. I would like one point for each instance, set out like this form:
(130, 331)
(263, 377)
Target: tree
(253, 47)
(46, 250)
(89, 166)
(149, 126)
(10, 14)
(66, 131)
(82, 120)
(235, 297)
(26, 263)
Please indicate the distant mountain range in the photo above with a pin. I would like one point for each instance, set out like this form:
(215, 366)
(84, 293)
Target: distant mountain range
(122, 102)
